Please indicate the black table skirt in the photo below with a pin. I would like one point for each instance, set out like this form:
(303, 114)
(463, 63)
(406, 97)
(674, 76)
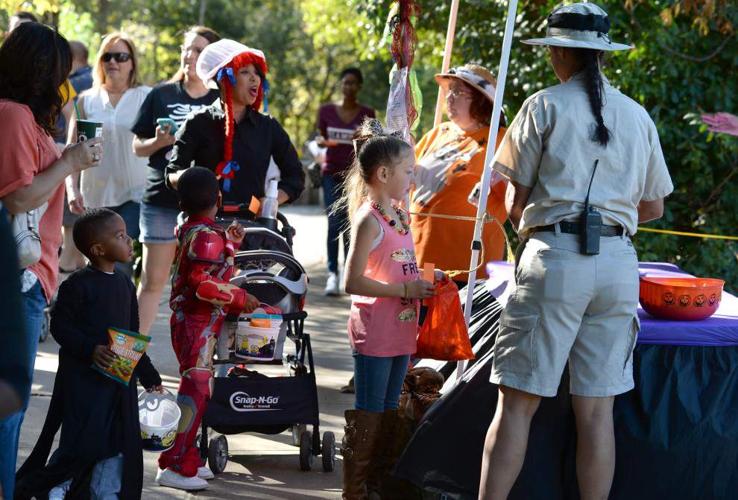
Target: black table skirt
(676, 433)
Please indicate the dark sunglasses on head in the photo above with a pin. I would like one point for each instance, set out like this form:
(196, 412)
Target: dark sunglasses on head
(120, 57)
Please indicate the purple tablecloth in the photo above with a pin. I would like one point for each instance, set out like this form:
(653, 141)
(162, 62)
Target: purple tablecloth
(721, 329)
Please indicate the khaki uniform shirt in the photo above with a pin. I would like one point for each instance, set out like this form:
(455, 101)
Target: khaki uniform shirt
(548, 148)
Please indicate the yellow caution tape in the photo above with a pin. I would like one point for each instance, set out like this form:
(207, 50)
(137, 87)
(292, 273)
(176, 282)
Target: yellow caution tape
(692, 235)
(488, 218)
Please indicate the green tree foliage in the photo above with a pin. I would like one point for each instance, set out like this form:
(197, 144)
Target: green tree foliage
(306, 43)
(683, 63)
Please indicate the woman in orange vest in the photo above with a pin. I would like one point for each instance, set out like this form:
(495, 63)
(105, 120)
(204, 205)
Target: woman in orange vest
(450, 164)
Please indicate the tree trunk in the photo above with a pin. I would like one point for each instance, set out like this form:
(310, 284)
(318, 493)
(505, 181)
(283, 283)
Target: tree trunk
(201, 17)
(101, 19)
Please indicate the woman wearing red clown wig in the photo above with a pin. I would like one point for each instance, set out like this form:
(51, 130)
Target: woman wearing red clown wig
(234, 140)
(231, 137)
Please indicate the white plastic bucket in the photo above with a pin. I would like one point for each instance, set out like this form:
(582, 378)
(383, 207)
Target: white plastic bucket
(158, 416)
(257, 343)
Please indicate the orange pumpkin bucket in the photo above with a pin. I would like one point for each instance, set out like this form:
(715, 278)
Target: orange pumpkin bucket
(681, 299)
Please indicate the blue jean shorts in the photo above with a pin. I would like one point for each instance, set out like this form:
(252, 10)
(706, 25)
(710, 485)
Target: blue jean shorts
(157, 224)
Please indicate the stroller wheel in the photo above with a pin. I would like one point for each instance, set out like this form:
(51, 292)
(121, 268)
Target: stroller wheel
(329, 451)
(306, 451)
(297, 431)
(218, 454)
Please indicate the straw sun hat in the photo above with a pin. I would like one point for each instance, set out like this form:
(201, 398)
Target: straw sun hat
(579, 25)
(473, 75)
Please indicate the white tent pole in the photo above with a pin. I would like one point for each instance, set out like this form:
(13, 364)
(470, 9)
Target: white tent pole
(487, 172)
(450, 35)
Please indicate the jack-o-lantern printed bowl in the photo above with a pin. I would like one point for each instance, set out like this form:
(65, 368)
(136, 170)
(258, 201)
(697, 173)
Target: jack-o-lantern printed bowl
(681, 299)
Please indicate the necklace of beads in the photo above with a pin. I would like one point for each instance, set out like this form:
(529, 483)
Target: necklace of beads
(403, 228)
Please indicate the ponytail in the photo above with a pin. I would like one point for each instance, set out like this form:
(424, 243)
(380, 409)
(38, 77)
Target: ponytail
(595, 88)
(373, 147)
(355, 190)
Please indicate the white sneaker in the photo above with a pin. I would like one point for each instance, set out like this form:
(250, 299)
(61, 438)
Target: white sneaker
(332, 286)
(168, 477)
(204, 472)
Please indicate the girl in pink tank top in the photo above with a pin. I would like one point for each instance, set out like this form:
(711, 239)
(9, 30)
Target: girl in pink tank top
(383, 278)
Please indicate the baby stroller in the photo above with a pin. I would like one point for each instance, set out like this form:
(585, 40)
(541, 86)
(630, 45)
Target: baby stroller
(247, 401)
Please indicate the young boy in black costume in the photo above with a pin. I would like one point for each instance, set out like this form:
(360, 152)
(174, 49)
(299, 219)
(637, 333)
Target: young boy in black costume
(99, 452)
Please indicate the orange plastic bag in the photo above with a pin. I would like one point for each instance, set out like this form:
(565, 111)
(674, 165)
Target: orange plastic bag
(444, 335)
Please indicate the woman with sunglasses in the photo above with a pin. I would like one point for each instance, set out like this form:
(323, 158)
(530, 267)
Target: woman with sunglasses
(163, 111)
(114, 100)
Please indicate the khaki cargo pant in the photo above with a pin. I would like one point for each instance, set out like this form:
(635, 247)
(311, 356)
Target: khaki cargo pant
(570, 307)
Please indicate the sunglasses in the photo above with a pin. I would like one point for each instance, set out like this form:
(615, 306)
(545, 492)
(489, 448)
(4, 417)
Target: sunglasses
(120, 57)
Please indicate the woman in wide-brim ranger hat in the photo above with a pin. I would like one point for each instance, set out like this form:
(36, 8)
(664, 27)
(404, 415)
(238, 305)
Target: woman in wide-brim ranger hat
(577, 148)
(232, 137)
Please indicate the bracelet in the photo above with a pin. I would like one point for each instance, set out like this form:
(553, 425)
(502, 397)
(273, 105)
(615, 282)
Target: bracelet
(404, 290)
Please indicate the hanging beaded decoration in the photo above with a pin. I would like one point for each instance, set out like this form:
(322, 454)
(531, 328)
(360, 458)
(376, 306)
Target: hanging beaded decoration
(404, 226)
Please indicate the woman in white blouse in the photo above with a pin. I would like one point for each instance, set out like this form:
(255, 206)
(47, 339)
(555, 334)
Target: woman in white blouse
(113, 100)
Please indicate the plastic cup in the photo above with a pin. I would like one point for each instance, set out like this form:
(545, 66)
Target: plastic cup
(88, 129)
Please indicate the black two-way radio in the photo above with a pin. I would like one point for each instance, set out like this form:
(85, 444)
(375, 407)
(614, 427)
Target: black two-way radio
(590, 224)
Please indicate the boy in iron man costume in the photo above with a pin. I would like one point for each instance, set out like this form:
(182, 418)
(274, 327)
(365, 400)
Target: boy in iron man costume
(201, 297)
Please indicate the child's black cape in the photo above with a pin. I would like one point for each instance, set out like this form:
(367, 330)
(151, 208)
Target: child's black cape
(98, 416)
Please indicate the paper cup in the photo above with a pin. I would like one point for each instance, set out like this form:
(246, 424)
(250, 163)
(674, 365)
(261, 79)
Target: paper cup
(88, 129)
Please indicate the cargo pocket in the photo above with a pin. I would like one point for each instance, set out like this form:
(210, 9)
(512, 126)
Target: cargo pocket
(635, 327)
(514, 349)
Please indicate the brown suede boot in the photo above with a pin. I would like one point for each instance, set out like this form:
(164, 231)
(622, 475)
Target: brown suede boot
(357, 448)
(396, 430)
(379, 464)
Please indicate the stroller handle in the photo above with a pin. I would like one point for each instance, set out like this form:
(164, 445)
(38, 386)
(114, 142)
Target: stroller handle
(243, 212)
(287, 231)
